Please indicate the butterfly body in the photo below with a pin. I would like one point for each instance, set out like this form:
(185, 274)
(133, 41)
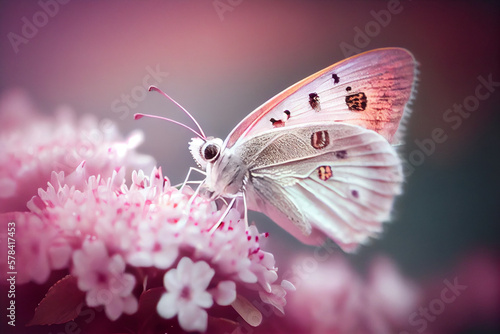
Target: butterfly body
(227, 176)
(318, 157)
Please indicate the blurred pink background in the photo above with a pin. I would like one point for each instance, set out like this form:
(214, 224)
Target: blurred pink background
(220, 64)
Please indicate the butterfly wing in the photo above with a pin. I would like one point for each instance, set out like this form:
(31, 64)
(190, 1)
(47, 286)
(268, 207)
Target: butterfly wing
(371, 90)
(337, 180)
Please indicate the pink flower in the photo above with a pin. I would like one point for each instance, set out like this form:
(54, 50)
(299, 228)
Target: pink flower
(155, 248)
(391, 295)
(104, 279)
(187, 294)
(335, 299)
(39, 248)
(276, 296)
(225, 293)
(147, 225)
(33, 146)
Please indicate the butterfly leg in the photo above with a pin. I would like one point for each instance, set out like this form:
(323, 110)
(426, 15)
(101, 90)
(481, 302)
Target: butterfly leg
(224, 215)
(245, 211)
(187, 209)
(188, 175)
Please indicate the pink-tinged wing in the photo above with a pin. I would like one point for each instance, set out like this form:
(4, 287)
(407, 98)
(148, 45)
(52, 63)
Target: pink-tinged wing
(337, 180)
(371, 90)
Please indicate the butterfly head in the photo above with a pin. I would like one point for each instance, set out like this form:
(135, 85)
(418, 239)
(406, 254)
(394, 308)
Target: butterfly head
(224, 172)
(205, 151)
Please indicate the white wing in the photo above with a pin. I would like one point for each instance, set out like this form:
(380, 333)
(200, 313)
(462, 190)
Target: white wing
(371, 90)
(338, 180)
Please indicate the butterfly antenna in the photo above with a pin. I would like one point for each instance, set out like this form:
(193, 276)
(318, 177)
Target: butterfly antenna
(156, 89)
(140, 115)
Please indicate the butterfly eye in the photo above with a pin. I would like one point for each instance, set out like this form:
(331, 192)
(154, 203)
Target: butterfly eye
(210, 151)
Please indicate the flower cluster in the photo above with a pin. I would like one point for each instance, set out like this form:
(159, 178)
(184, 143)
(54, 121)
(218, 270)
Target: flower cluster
(101, 229)
(32, 146)
(125, 240)
(336, 299)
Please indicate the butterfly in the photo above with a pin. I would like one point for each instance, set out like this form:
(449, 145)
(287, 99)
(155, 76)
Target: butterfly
(318, 158)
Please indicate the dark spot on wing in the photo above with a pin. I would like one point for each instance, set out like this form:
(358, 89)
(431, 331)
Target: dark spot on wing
(287, 113)
(277, 123)
(356, 102)
(335, 78)
(348, 88)
(341, 154)
(320, 140)
(325, 172)
(355, 193)
(314, 101)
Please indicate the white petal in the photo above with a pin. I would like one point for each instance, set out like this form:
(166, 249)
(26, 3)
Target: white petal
(87, 282)
(225, 293)
(247, 276)
(99, 296)
(91, 298)
(171, 282)
(130, 305)
(163, 260)
(202, 275)
(203, 299)
(268, 260)
(184, 269)
(140, 259)
(117, 264)
(167, 306)
(192, 318)
(276, 298)
(95, 249)
(126, 285)
(78, 261)
(114, 309)
(287, 285)
(59, 256)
